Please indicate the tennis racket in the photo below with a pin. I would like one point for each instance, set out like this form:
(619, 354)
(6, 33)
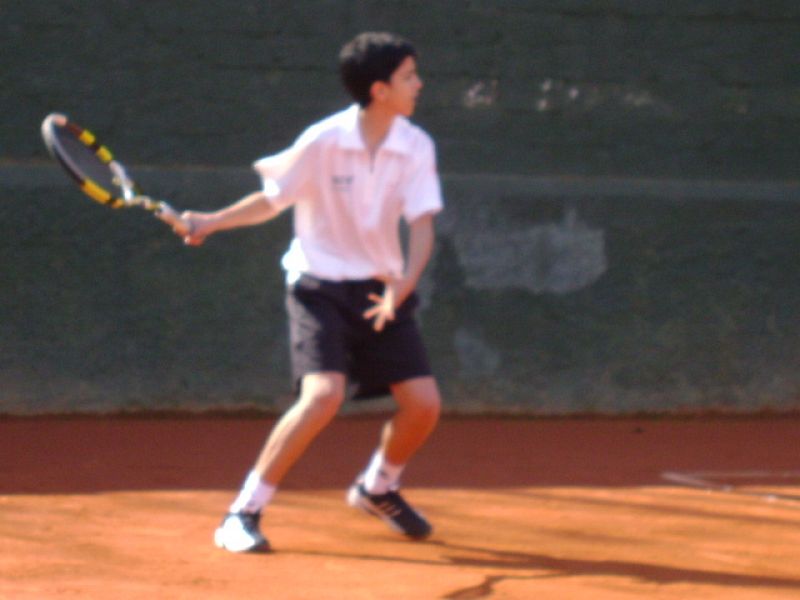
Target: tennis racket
(98, 174)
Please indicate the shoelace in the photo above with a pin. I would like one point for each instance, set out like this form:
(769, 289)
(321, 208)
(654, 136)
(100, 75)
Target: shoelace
(393, 505)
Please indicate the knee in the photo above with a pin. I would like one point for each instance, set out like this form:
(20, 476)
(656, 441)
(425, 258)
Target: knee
(322, 397)
(419, 396)
(431, 406)
(426, 405)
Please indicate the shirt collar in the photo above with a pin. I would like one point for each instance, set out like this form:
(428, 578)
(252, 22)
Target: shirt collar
(351, 136)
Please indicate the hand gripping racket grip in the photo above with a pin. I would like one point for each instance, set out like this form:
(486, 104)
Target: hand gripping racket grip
(170, 216)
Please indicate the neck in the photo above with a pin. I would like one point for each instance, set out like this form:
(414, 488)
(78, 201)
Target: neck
(374, 125)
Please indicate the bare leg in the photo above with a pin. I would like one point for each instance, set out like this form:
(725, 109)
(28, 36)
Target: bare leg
(419, 404)
(321, 396)
(418, 409)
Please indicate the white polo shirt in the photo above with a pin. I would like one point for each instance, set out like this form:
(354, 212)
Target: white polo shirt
(347, 206)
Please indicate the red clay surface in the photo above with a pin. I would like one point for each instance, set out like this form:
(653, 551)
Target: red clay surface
(125, 507)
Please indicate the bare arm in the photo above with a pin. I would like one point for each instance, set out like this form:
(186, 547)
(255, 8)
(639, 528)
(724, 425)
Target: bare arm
(253, 209)
(420, 247)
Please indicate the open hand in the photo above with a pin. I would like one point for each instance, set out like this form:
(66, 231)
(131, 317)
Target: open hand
(382, 310)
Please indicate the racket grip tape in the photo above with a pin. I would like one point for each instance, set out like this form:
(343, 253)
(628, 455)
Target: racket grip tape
(171, 217)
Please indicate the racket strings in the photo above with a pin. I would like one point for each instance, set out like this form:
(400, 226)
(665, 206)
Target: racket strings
(93, 167)
(88, 139)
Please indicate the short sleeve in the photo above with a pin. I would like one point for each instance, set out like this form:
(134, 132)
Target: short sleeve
(423, 190)
(286, 176)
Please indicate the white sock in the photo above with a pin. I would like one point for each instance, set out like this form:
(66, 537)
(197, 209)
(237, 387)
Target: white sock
(254, 495)
(381, 475)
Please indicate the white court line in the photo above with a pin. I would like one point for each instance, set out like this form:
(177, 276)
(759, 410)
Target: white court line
(709, 480)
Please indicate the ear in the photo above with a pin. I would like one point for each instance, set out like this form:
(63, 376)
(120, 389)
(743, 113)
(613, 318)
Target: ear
(378, 90)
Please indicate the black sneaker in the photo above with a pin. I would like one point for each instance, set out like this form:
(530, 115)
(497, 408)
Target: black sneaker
(390, 508)
(240, 532)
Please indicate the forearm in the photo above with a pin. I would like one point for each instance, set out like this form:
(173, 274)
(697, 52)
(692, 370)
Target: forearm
(253, 209)
(396, 291)
(420, 248)
(250, 210)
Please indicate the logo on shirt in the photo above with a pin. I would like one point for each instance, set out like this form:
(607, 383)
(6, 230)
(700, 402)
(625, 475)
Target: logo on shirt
(342, 183)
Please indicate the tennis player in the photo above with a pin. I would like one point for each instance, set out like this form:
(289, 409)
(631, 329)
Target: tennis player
(350, 179)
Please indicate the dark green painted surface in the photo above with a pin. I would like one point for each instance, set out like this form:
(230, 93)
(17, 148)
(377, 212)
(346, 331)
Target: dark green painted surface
(707, 89)
(544, 295)
(622, 229)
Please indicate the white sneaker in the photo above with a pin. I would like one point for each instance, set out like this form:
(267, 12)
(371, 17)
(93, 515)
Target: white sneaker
(240, 532)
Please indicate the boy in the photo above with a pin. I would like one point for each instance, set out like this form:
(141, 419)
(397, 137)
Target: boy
(350, 291)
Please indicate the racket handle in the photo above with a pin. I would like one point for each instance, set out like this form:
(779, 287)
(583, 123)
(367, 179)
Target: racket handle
(171, 217)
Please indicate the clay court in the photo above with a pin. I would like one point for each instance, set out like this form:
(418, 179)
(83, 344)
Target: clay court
(125, 507)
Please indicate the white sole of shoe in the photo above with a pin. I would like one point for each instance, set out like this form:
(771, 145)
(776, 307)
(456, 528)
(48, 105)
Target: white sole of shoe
(219, 542)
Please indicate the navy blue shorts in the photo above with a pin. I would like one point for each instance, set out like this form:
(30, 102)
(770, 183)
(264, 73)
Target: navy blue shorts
(327, 332)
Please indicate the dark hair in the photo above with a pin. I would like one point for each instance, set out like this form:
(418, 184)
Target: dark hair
(369, 57)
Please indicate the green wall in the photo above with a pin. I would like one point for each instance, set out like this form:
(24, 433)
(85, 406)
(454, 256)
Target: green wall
(622, 228)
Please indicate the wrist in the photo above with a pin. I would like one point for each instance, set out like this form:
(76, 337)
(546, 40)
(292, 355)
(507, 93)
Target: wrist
(404, 288)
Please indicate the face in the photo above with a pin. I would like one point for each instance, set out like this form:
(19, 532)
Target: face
(399, 94)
